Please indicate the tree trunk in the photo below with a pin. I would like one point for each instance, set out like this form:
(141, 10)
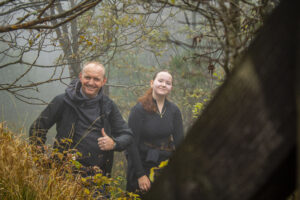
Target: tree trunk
(68, 39)
(243, 146)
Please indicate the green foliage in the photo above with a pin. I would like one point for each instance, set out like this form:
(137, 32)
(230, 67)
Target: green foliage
(198, 107)
(114, 27)
(193, 86)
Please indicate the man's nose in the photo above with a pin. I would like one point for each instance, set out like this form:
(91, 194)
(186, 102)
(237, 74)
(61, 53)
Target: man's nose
(91, 81)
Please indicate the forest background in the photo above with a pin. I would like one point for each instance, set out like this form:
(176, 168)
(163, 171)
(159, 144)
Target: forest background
(44, 44)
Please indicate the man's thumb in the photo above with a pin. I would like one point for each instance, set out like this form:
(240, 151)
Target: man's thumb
(103, 132)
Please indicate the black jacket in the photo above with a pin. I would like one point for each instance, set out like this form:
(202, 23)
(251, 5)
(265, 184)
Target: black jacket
(152, 141)
(61, 112)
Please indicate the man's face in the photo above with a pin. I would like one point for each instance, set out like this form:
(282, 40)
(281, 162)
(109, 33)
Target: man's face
(92, 79)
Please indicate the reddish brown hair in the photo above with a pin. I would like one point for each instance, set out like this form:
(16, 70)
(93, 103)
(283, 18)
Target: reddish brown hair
(147, 99)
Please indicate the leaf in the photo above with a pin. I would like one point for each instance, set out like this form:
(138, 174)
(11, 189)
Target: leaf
(86, 191)
(60, 156)
(151, 175)
(89, 43)
(163, 163)
(30, 42)
(79, 154)
(76, 164)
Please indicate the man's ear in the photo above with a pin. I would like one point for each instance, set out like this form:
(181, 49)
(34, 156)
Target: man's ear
(104, 80)
(80, 75)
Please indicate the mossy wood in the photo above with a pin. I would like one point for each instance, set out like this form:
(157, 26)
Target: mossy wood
(243, 146)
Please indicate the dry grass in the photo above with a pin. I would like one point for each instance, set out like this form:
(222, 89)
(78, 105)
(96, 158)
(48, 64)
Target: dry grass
(25, 173)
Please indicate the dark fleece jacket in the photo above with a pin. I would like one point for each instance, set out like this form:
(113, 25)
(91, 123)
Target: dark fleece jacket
(81, 119)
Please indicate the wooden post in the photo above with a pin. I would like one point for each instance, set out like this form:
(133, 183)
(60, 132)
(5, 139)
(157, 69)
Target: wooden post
(243, 146)
(297, 92)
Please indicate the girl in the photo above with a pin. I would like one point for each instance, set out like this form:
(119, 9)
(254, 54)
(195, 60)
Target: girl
(157, 127)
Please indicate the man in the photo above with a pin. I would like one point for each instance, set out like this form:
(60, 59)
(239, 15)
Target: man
(88, 117)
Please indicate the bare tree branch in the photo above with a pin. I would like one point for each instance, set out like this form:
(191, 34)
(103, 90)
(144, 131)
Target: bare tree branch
(38, 19)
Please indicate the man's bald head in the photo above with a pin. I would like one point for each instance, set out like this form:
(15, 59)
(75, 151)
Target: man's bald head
(94, 65)
(92, 78)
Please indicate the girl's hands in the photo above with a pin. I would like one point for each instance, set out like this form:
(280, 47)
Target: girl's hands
(144, 183)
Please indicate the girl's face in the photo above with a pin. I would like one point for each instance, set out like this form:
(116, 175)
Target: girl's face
(162, 84)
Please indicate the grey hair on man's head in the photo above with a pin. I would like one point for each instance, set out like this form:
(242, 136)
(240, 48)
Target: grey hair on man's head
(95, 63)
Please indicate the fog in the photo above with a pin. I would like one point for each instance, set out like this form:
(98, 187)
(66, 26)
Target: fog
(18, 114)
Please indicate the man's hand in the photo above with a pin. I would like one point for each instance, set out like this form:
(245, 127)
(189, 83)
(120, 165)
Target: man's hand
(105, 143)
(144, 183)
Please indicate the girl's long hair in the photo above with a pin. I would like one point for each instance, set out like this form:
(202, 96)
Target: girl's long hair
(147, 99)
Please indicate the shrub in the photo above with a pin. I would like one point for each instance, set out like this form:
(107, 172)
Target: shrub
(27, 173)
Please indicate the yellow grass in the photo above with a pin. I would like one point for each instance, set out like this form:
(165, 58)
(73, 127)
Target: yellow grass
(26, 173)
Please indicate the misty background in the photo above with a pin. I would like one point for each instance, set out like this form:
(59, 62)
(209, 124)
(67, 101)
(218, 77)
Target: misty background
(196, 42)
